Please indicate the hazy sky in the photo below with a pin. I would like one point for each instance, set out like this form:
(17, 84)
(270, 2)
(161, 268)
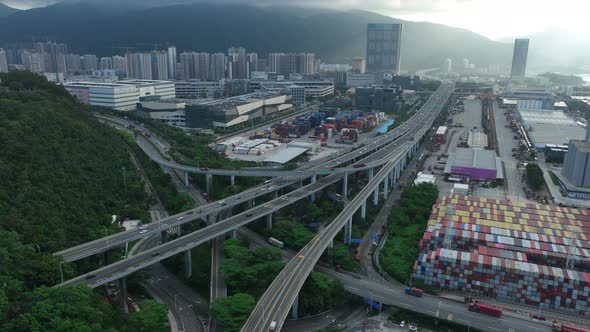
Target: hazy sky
(491, 18)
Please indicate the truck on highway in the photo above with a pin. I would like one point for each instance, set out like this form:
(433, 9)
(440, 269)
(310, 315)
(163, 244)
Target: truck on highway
(565, 327)
(276, 242)
(485, 309)
(273, 325)
(417, 292)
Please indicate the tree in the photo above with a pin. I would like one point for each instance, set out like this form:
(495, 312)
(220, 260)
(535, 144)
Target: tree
(233, 311)
(152, 317)
(534, 176)
(292, 233)
(73, 308)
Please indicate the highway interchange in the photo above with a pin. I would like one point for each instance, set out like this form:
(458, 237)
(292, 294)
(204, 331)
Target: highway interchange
(381, 152)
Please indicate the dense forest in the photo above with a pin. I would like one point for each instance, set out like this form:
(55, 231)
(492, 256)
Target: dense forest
(63, 175)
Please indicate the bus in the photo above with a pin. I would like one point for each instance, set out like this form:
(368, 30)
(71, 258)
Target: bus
(276, 242)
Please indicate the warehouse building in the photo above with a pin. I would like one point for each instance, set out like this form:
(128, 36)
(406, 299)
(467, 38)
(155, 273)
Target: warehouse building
(228, 112)
(513, 251)
(477, 140)
(550, 127)
(150, 88)
(120, 97)
(475, 164)
(170, 112)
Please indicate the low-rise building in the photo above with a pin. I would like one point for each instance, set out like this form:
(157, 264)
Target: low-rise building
(224, 113)
(477, 140)
(166, 111)
(354, 80)
(476, 164)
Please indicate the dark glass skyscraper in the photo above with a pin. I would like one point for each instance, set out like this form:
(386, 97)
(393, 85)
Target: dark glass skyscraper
(521, 50)
(383, 48)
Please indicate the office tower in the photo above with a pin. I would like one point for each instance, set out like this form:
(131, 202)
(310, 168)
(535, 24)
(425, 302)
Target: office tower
(217, 71)
(120, 65)
(159, 61)
(519, 57)
(73, 63)
(3, 62)
(251, 63)
(172, 61)
(139, 65)
(447, 66)
(89, 62)
(359, 65)
(383, 48)
(33, 62)
(236, 62)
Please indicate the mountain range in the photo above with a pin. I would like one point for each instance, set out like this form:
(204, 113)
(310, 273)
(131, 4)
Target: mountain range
(335, 36)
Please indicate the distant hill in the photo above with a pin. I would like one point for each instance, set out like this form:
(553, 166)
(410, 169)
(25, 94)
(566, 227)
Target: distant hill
(6, 10)
(334, 35)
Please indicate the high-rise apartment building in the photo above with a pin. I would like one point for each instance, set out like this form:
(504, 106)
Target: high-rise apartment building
(172, 61)
(159, 62)
(203, 66)
(73, 63)
(217, 62)
(383, 48)
(519, 57)
(139, 65)
(3, 61)
(106, 63)
(447, 66)
(236, 60)
(120, 65)
(196, 65)
(89, 62)
(251, 63)
(291, 63)
(34, 62)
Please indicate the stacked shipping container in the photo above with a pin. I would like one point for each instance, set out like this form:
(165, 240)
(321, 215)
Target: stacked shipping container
(510, 250)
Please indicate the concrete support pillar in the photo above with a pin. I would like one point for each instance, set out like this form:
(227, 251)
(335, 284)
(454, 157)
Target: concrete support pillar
(345, 186)
(350, 228)
(123, 286)
(371, 171)
(385, 188)
(188, 264)
(331, 245)
(364, 210)
(209, 182)
(232, 180)
(186, 179)
(347, 231)
(164, 236)
(275, 194)
(250, 203)
(313, 180)
(269, 221)
(296, 307)
(376, 196)
(392, 178)
(234, 233)
(106, 257)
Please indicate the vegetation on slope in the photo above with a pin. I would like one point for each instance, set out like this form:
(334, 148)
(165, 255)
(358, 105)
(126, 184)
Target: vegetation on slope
(62, 179)
(407, 221)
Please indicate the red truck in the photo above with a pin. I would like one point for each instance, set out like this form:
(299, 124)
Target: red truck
(485, 309)
(569, 328)
(417, 292)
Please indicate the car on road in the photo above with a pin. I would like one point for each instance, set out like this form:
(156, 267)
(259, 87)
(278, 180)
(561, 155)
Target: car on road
(163, 225)
(203, 168)
(180, 218)
(143, 231)
(402, 324)
(143, 226)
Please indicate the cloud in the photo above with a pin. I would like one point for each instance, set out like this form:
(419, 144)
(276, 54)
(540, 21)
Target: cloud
(28, 4)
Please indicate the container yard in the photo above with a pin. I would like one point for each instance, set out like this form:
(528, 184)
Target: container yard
(322, 132)
(513, 251)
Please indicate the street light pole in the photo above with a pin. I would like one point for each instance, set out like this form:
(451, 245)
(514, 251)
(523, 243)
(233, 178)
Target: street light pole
(61, 271)
(124, 178)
